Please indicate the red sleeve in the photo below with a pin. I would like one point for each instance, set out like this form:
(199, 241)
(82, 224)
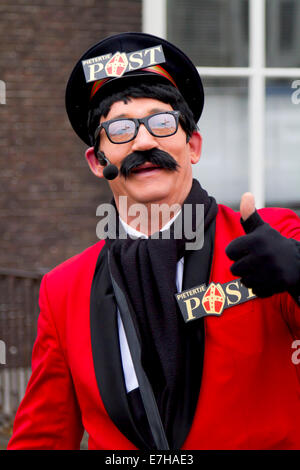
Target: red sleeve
(288, 223)
(291, 313)
(48, 416)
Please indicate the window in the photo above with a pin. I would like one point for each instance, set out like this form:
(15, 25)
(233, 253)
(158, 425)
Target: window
(213, 33)
(247, 53)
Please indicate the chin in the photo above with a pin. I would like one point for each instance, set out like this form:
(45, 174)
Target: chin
(151, 196)
(150, 190)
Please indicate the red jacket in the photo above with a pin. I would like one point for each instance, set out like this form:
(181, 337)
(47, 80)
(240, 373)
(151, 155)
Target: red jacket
(250, 391)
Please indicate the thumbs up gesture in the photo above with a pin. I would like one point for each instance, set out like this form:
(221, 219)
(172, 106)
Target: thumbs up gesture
(266, 261)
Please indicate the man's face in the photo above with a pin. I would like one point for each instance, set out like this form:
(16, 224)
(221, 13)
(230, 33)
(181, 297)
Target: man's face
(150, 185)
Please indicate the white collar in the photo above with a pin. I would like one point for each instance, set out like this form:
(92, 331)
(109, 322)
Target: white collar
(135, 233)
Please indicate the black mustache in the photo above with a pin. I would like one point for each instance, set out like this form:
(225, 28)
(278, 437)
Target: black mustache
(155, 156)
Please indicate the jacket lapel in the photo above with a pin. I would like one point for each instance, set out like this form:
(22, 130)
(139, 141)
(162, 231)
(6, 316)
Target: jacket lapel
(106, 351)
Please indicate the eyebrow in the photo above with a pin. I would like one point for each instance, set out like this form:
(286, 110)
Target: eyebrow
(152, 111)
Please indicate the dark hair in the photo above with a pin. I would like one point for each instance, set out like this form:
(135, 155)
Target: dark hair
(160, 91)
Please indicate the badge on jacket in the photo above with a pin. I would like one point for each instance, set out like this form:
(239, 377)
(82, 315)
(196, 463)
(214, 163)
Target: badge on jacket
(202, 301)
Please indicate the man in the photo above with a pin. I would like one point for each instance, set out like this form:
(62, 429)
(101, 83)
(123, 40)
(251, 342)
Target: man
(144, 342)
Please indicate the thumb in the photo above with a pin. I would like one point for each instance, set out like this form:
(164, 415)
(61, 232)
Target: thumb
(250, 219)
(247, 206)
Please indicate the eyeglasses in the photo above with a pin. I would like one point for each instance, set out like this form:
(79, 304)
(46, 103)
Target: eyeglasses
(122, 130)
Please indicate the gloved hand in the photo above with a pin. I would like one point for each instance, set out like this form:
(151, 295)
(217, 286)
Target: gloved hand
(266, 261)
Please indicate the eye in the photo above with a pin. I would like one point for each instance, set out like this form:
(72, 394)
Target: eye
(162, 124)
(165, 123)
(121, 130)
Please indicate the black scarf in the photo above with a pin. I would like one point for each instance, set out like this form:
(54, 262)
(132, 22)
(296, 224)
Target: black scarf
(145, 270)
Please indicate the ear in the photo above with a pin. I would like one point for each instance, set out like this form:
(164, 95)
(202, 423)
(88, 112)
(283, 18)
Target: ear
(195, 144)
(93, 162)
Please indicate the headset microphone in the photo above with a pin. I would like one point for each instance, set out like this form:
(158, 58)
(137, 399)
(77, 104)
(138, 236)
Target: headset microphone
(110, 171)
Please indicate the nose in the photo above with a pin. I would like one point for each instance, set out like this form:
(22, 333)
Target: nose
(144, 140)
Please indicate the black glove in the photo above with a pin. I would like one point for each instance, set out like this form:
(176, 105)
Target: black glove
(266, 261)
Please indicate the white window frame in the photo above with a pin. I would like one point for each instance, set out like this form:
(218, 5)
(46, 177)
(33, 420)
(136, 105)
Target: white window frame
(154, 22)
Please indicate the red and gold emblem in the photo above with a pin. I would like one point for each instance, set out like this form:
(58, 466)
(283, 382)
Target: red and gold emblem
(213, 300)
(117, 65)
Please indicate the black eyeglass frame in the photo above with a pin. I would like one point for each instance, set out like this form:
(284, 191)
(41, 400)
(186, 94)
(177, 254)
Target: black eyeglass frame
(137, 121)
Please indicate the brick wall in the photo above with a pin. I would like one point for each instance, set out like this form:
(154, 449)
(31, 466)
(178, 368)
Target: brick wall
(48, 196)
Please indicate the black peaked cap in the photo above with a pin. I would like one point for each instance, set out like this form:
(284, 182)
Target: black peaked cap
(173, 61)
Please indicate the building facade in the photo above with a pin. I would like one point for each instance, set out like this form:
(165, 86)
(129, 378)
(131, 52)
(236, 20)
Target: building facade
(48, 196)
